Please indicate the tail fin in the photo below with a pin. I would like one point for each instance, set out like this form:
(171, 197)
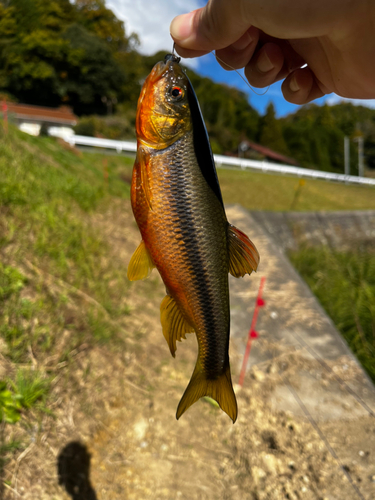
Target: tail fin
(219, 389)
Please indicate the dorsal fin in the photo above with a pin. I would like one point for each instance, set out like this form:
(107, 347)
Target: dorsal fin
(202, 146)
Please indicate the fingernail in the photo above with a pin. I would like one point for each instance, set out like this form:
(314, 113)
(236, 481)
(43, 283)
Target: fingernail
(293, 85)
(242, 42)
(264, 64)
(181, 26)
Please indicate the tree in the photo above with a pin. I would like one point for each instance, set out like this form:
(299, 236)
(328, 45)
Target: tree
(32, 50)
(92, 73)
(47, 58)
(95, 17)
(270, 132)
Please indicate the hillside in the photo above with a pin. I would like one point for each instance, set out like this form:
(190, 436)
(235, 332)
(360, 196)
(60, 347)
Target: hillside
(61, 291)
(86, 378)
(79, 54)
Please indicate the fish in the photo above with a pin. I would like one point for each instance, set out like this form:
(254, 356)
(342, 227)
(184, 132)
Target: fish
(178, 206)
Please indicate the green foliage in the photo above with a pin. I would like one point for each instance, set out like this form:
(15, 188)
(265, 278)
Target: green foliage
(14, 310)
(11, 281)
(111, 127)
(9, 405)
(135, 70)
(92, 71)
(369, 148)
(56, 51)
(31, 387)
(95, 17)
(315, 135)
(344, 283)
(86, 126)
(270, 132)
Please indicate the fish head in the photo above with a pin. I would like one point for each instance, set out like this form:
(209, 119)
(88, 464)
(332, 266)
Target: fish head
(163, 113)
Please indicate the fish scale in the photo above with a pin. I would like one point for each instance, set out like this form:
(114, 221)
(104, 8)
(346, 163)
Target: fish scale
(178, 207)
(183, 195)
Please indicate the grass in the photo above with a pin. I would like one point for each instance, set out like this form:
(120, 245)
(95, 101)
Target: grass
(257, 191)
(30, 387)
(344, 283)
(58, 278)
(9, 405)
(61, 284)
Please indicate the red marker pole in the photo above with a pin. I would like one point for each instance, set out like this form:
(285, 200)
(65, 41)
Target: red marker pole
(252, 333)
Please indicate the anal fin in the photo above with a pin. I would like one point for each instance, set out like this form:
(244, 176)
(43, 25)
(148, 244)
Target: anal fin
(175, 326)
(141, 264)
(243, 256)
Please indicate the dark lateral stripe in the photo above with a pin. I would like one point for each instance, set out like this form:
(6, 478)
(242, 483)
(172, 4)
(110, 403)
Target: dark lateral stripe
(202, 145)
(182, 211)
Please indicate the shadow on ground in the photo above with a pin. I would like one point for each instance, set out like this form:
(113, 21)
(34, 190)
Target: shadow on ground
(73, 467)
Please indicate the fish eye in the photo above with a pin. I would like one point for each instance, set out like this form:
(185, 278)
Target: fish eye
(176, 93)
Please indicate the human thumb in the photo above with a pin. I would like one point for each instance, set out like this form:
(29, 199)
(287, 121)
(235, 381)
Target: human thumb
(212, 27)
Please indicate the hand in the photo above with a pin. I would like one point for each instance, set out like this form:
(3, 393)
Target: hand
(274, 39)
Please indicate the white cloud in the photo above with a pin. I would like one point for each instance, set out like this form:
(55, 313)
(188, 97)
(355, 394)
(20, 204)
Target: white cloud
(336, 99)
(151, 20)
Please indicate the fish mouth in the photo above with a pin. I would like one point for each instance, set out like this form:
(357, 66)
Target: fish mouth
(171, 63)
(157, 72)
(172, 57)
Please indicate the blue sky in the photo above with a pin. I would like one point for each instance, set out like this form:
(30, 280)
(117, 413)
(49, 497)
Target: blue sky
(151, 20)
(258, 98)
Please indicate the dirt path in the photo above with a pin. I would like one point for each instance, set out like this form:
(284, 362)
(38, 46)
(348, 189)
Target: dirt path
(116, 436)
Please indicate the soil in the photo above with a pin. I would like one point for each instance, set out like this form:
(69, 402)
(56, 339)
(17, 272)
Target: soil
(116, 436)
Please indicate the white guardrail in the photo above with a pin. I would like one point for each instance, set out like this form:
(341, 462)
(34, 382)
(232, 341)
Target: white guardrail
(229, 161)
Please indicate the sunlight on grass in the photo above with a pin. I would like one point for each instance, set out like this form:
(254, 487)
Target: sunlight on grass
(31, 387)
(344, 283)
(59, 286)
(257, 191)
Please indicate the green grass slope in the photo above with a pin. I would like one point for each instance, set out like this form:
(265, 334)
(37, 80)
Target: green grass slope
(344, 283)
(257, 191)
(63, 285)
(59, 289)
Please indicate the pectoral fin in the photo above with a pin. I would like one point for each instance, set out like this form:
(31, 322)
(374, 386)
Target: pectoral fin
(141, 264)
(173, 322)
(243, 256)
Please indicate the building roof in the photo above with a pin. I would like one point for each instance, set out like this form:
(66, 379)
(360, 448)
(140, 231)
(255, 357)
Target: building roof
(63, 114)
(269, 153)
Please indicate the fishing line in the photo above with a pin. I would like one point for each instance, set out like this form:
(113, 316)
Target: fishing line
(303, 345)
(320, 433)
(322, 436)
(231, 67)
(318, 358)
(239, 74)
